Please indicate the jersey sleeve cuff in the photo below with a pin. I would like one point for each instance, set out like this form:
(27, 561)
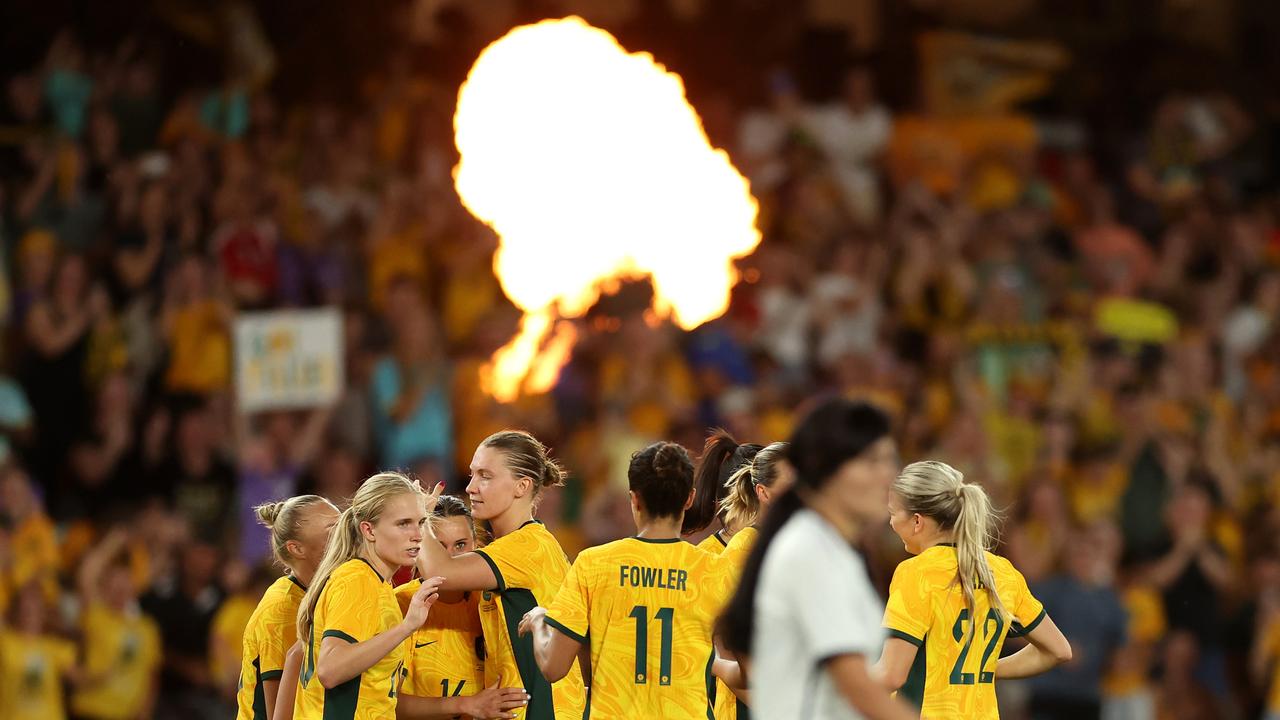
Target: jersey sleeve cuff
(1019, 630)
(918, 642)
(497, 574)
(569, 633)
(271, 675)
(340, 635)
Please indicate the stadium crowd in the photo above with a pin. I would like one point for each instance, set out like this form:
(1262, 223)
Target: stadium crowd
(1097, 343)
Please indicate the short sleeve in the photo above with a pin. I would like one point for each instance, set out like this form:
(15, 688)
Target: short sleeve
(1027, 611)
(905, 613)
(351, 610)
(509, 558)
(279, 636)
(404, 593)
(570, 612)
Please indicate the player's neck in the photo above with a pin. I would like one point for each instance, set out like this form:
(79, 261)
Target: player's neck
(661, 528)
(384, 570)
(511, 520)
(941, 538)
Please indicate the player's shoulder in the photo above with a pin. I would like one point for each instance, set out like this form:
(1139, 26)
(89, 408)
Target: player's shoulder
(1002, 567)
(352, 574)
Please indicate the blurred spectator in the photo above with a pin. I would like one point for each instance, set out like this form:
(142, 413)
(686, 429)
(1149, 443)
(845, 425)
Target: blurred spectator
(183, 604)
(1088, 611)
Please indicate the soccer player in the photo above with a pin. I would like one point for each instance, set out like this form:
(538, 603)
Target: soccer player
(722, 455)
(355, 634)
(645, 606)
(300, 528)
(446, 663)
(521, 567)
(951, 606)
(751, 489)
(805, 614)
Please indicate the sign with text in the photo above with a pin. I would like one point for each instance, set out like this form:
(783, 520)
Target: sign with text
(288, 359)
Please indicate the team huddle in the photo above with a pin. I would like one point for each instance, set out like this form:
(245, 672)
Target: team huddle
(772, 615)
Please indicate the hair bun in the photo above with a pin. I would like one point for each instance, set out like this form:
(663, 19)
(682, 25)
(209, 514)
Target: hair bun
(669, 457)
(268, 512)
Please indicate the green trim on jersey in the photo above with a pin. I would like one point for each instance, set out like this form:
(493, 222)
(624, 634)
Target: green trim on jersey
(497, 574)
(569, 633)
(259, 696)
(711, 687)
(515, 603)
(906, 636)
(657, 541)
(338, 634)
(340, 703)
(913, 689)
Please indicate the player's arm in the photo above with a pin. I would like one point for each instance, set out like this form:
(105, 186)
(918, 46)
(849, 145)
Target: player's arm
(895, 663)
(468, 572)
(340, 659)
(492, 702)
(852, 679)
(553, 648)
(280, 703)
(1046, 649)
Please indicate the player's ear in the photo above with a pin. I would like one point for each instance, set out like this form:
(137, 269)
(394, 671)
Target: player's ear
(689, 502)
(366, 530)
(636, 506)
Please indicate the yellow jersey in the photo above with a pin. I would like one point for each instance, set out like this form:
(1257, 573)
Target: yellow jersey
(734, 557)
(529, 567)
(954, 671)
(446, 658)
(270, 632)
(355, 605)
(227, 638)
(31, 672)
(1147, 625)
(736, 552)
(646, 608)
(123, 650)
(714, 543)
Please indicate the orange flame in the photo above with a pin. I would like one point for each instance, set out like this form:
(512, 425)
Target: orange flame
(592, 167)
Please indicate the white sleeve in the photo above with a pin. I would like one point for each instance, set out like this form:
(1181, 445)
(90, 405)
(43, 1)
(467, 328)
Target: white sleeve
(825, 589)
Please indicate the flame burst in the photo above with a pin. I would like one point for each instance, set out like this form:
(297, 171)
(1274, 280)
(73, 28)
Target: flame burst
(593, 168)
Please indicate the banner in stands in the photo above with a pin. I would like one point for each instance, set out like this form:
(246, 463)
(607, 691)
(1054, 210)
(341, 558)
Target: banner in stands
(288, 359)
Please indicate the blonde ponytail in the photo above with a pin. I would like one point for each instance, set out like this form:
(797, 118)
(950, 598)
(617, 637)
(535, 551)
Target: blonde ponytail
(938, 491)
(741, 506)
(345, 542)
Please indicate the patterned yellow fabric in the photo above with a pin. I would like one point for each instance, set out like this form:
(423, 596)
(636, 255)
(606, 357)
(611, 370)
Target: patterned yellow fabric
(447, 654)
(736, 552)
(123, 649)
(270, 632)
(31, 672)
(726, 707)
(646, 608)
(529, 566)
(714, 543)
(956, 656)
(354, 606)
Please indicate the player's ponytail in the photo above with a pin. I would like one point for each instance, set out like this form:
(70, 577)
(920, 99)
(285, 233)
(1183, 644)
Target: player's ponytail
(346, 542)
(722, 455)
(741, 506)
(833, 433)
(938, 491)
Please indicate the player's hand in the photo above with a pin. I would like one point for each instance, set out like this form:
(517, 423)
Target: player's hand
(421, 602)
(526, 622)
(495, 702)
(432, 496)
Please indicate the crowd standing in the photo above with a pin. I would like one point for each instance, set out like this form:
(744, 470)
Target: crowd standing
(1096, 341)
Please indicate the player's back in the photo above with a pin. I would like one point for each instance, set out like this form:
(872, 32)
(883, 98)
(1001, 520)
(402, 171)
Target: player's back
(647, 608)
(954, 671)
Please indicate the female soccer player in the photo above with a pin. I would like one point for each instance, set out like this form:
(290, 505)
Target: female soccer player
(300, 528)
(523, 564)
(445, 669)
(751, 489)
(354, 630)
(722, 455)
(956, 600)
(645, 606)
(805, 614)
